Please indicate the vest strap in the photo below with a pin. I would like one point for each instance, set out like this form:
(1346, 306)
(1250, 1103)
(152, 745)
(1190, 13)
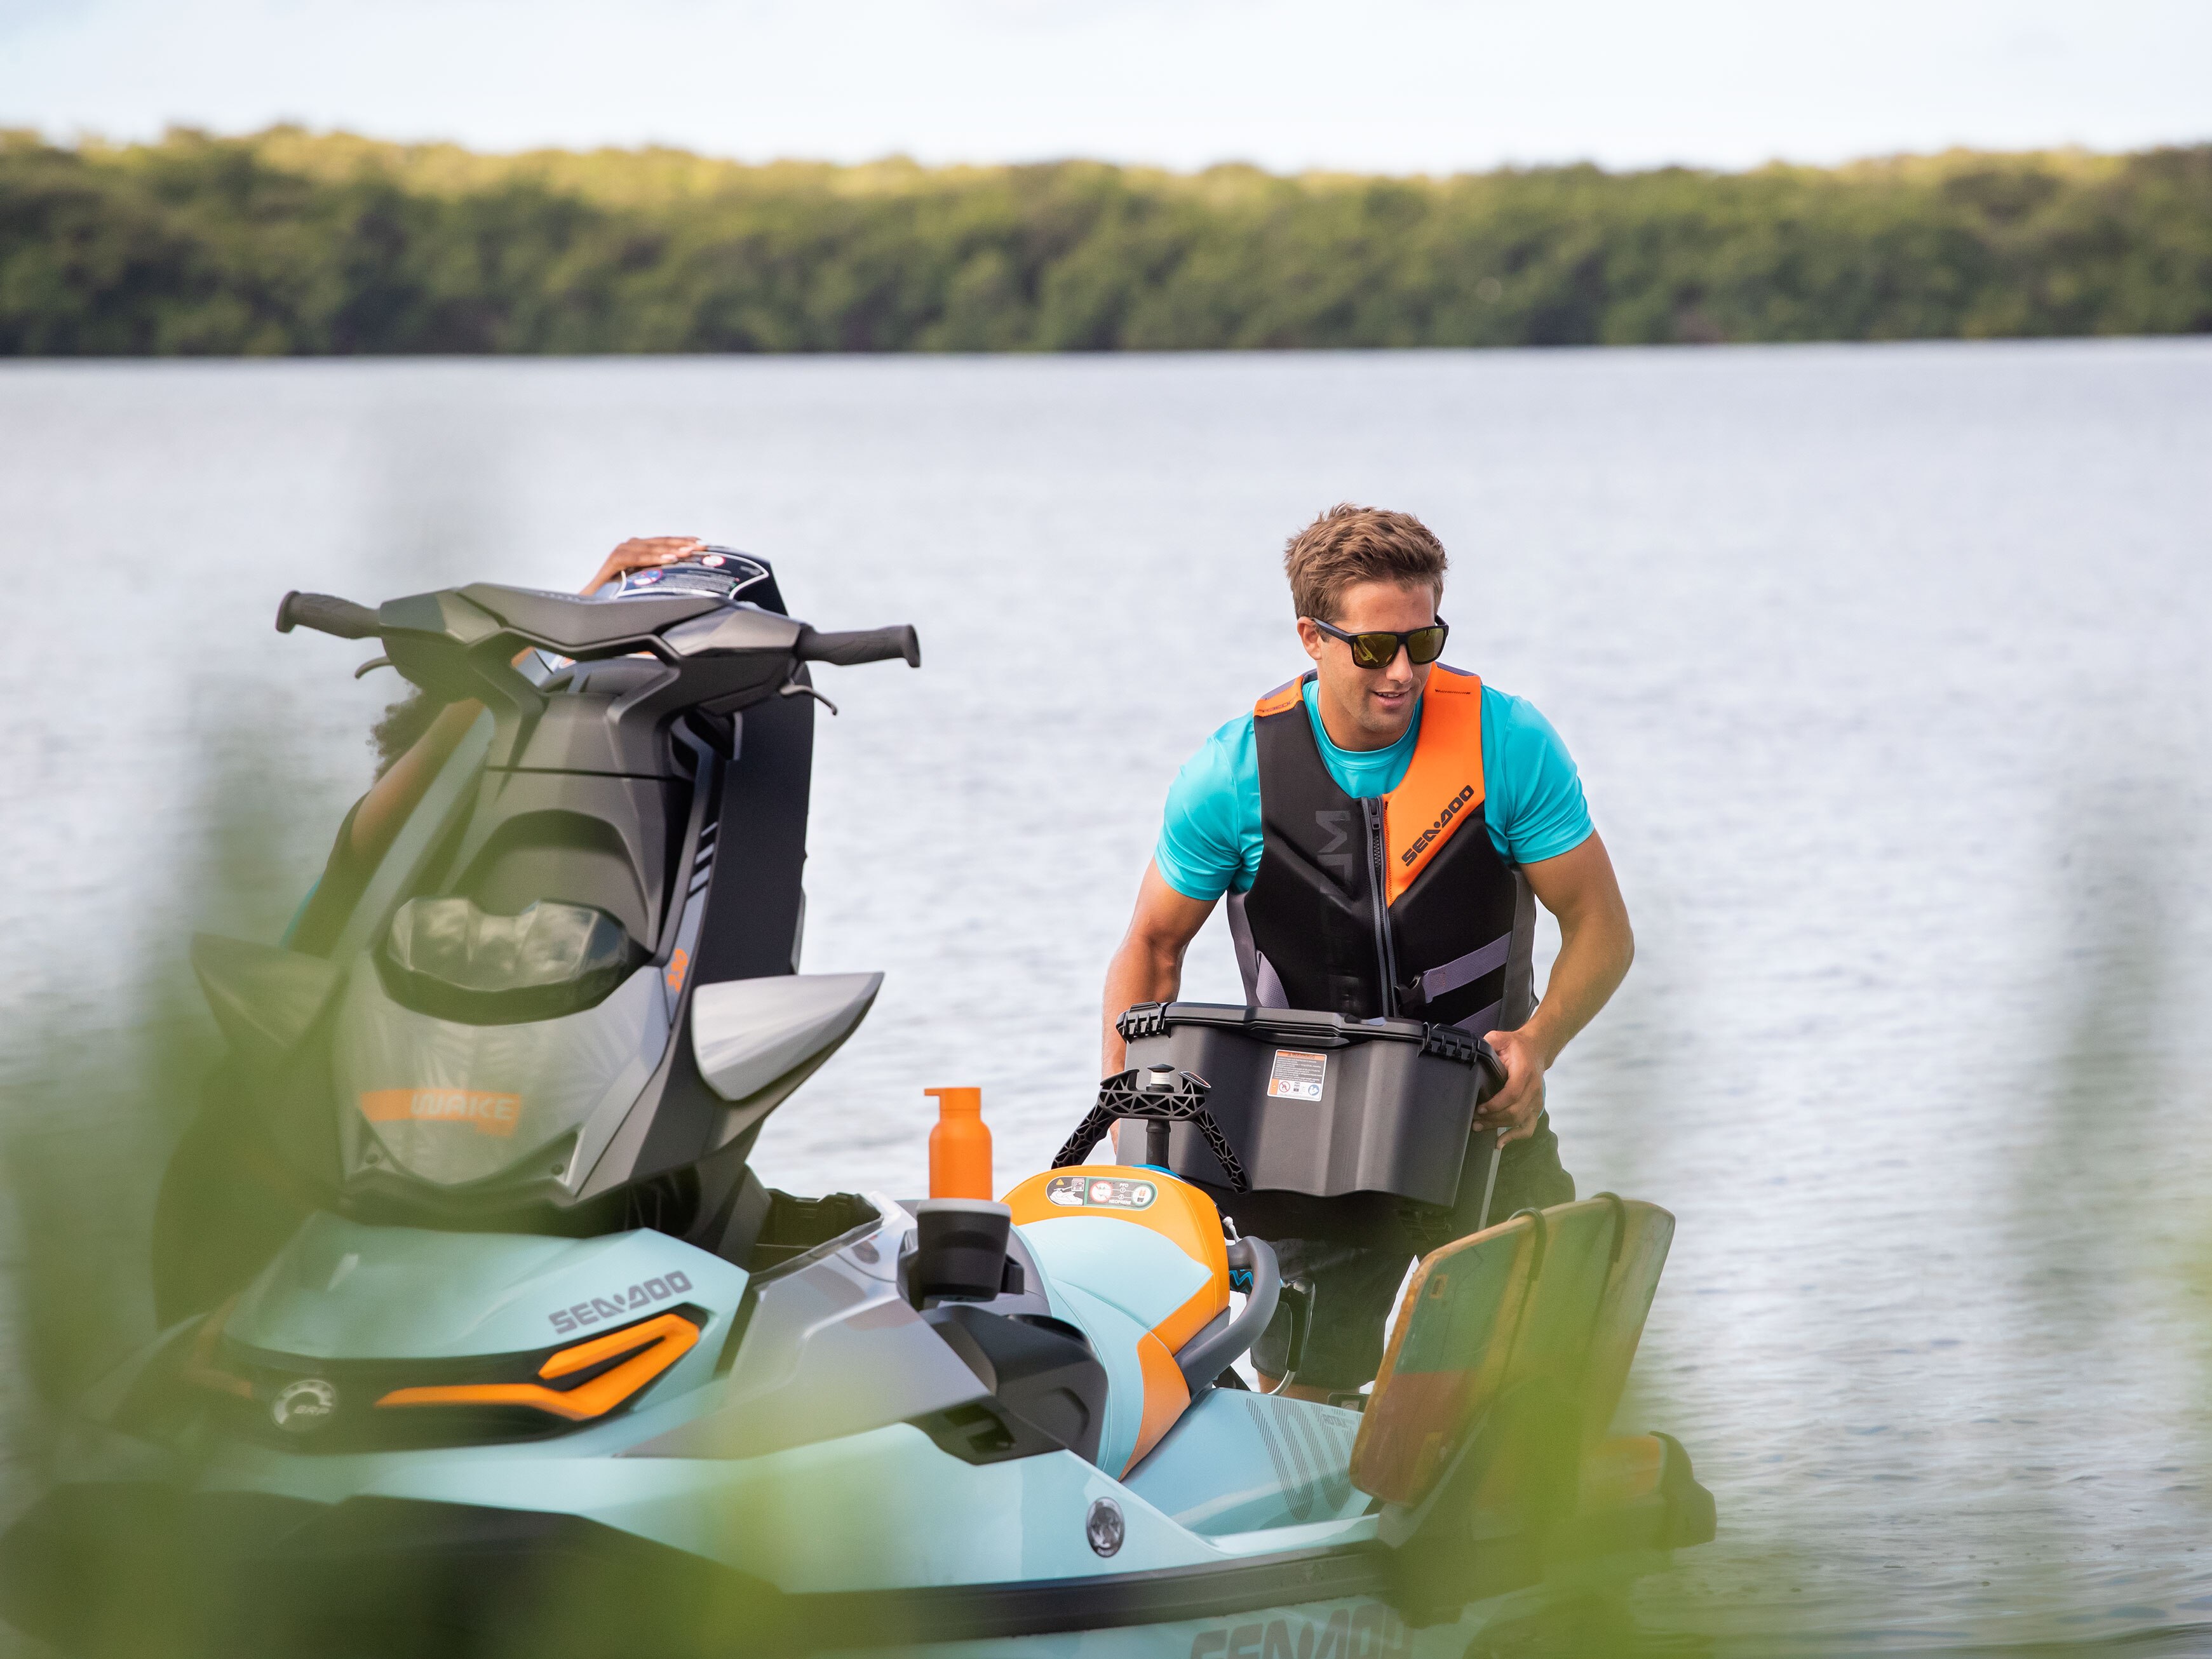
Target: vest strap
(1460, 970)
(1484, 1019)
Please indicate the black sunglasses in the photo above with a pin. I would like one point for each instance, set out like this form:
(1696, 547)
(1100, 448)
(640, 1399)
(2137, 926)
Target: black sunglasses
(1379, 649)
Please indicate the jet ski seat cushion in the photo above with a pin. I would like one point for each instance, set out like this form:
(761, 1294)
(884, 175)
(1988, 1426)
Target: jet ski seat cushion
(1137, 1260)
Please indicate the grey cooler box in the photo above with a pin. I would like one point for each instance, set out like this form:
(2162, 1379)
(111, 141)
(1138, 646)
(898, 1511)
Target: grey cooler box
(1355, 1130)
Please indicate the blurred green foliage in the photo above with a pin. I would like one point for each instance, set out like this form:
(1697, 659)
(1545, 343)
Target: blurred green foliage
(291, 243)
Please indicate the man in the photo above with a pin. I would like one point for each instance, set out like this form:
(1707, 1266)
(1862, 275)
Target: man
(1464, 800)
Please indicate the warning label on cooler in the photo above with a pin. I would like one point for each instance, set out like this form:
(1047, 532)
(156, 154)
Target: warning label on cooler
(1298, 1075)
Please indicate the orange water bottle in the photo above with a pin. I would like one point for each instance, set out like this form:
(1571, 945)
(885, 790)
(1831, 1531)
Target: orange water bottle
(959, 1146)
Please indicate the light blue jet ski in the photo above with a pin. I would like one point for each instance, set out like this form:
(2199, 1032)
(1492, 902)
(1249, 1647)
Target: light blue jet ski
(545, 1369)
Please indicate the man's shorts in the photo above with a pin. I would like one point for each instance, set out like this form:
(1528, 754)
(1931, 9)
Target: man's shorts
(1354, 1285)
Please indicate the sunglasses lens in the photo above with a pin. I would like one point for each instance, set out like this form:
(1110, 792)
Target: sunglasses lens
(1374, 650)
(1424, 645)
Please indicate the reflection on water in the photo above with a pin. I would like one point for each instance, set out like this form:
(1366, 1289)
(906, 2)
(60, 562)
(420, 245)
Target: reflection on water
(1883, 667)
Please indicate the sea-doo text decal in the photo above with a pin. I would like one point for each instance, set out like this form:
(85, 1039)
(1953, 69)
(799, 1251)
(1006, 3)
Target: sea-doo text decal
(487, 1113)
(1372, 1630)
(1437, 829)
(621, 1302)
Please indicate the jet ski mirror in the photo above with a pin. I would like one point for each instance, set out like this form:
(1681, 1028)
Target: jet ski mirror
(747, 1034)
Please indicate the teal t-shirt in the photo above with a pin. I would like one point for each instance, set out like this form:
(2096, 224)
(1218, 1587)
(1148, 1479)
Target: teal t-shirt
(1210, 835)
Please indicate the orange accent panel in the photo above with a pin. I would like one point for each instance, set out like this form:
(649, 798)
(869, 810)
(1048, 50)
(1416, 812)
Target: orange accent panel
(1444, 780)
(1166, 1396)
(661, 1342)
(487, 1113)
(677, 963)
(1283, 697)
(1181, 1212)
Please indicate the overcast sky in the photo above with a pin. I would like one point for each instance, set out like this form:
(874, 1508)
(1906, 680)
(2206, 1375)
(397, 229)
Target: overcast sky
(1396, 85)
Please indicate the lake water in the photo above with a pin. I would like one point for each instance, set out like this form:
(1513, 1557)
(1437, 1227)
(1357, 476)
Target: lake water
(1885, 668)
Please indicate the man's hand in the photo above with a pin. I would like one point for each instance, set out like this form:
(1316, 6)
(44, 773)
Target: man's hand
(640, 552)
(1520, 1099)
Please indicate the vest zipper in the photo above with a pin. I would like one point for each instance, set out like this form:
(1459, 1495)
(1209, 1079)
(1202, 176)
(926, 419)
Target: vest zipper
(1386, 959)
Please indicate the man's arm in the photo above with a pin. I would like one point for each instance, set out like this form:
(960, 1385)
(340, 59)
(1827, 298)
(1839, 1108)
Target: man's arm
(1148, 966)
(1595, 947)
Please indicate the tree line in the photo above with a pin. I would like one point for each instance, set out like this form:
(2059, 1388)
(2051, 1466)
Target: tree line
(289, 243)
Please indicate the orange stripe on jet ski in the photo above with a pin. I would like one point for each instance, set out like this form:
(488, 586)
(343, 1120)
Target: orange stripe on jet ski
(1282, 698)
(1443, 782)
(1166, 1396)
(661, 1342)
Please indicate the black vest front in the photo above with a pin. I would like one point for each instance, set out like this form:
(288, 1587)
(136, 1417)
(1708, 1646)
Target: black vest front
(1318, 929)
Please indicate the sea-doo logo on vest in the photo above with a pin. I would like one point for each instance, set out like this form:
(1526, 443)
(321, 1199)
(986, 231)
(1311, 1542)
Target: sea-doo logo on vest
(1437, 829)
(303, 1406)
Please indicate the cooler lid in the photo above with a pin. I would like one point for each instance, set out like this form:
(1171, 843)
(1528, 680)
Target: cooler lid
(1307, 1028)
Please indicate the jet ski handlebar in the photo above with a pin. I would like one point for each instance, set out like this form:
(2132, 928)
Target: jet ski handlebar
(461, 642)
(859, 645)
(326, 614)
(582, 627)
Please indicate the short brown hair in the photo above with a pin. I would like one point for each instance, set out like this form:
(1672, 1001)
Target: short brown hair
(1349, 545)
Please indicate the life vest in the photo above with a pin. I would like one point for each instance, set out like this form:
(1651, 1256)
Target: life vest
(1394, 907)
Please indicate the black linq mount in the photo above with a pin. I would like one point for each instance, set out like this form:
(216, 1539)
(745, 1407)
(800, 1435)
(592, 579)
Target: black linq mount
(1158, 1096)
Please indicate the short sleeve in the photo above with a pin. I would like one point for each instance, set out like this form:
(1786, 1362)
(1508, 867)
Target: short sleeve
(1536, 800)
(1202, 849)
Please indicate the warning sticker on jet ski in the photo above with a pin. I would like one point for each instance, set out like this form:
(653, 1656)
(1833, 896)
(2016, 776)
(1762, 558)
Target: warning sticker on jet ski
(1298, 1075)
(1105, 1192)
(487, 1113)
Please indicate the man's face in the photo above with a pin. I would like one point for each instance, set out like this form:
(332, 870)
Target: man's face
(1375, 703)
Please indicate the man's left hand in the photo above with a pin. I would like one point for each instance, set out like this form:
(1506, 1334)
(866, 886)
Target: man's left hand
(1520, 1100)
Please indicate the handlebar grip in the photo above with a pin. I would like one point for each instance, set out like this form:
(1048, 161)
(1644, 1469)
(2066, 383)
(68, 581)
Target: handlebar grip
(862, 645)
(326, 614)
